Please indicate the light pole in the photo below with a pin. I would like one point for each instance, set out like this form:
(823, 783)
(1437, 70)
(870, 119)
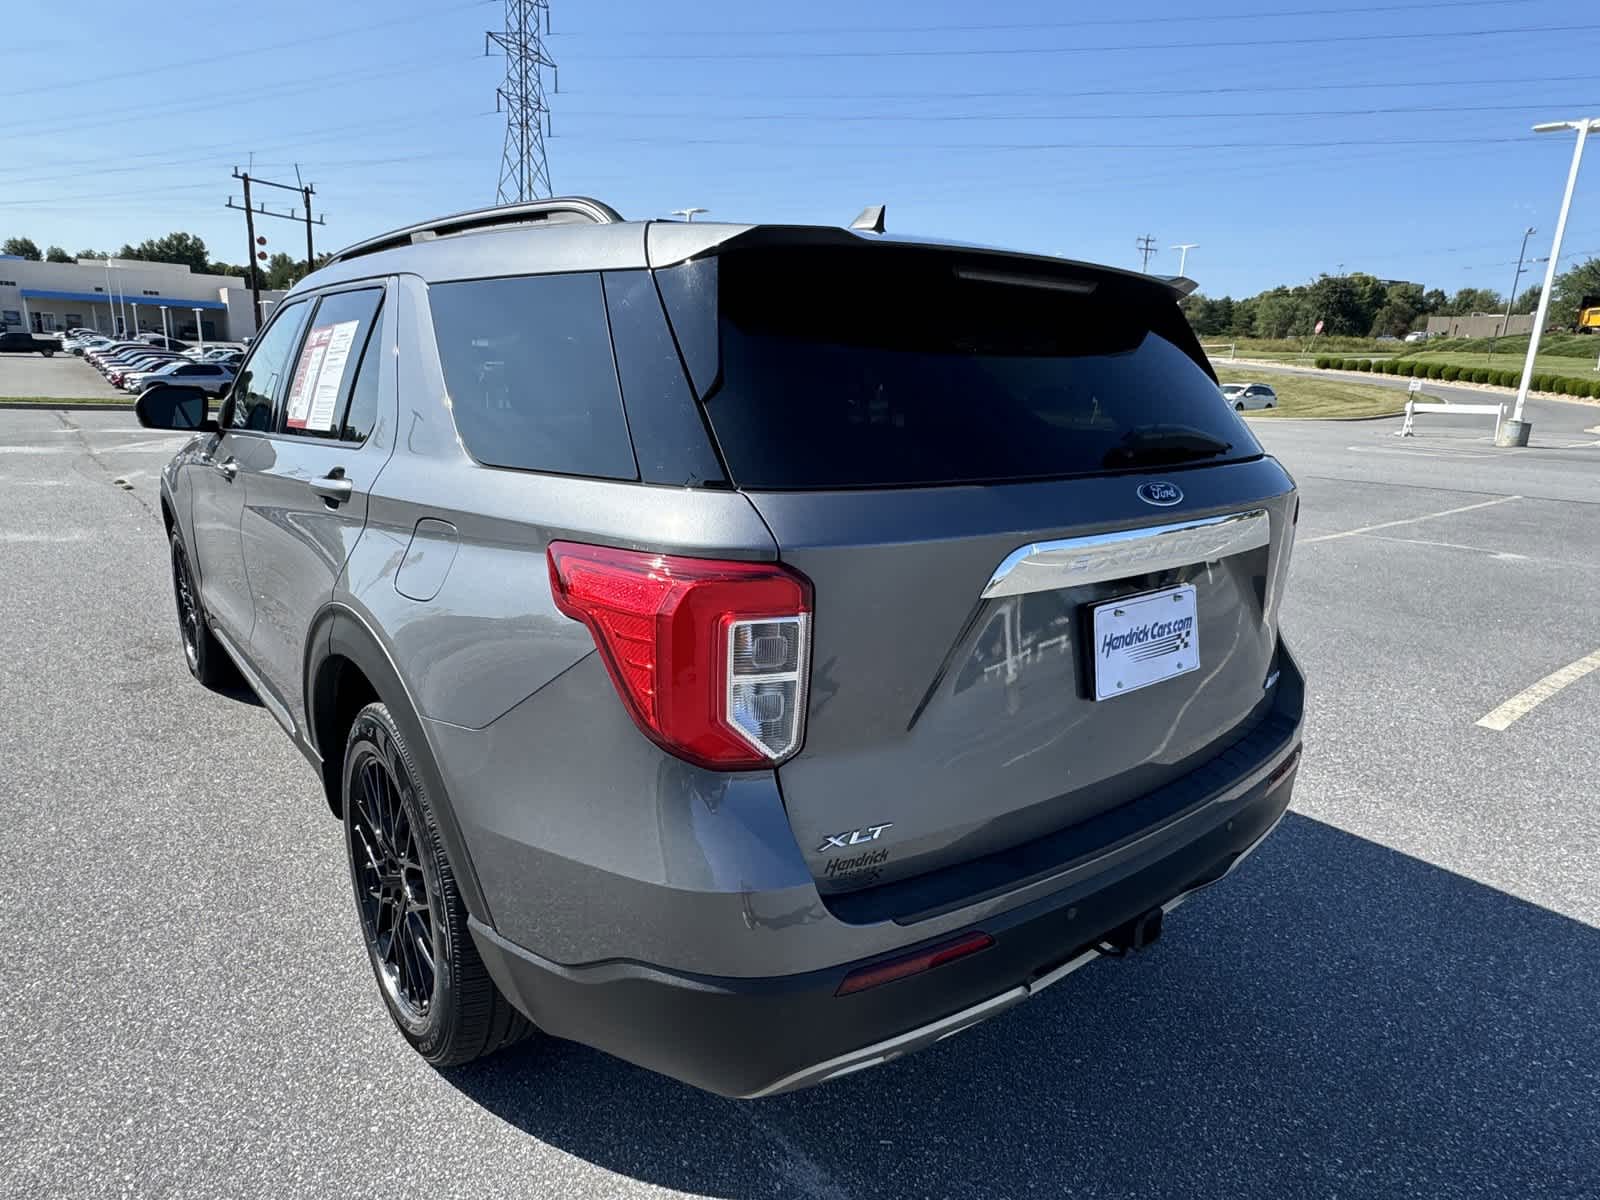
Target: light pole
(1505, 326)
(1183, 249)
(1515, 432)
(687, 213)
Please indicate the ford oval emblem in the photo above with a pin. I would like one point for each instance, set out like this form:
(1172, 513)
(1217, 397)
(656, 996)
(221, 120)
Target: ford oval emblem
(1163, 493)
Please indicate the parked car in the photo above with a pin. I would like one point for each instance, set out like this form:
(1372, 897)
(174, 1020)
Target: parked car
(1417, 335)
(119, 369)
(1249, 395)
(210, 378)
(166, 343)
(17, 342)
(756, 651)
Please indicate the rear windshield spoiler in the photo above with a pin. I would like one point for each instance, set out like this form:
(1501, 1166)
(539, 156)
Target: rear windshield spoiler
(668, 243)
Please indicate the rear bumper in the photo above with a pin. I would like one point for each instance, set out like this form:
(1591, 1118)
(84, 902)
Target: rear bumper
(750, 1037)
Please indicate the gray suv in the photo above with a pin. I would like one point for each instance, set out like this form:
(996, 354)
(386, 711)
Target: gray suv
(756, 651)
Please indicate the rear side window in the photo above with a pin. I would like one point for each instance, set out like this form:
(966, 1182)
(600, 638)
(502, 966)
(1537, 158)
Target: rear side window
(325, 372)
(875, 367)
(532, 383)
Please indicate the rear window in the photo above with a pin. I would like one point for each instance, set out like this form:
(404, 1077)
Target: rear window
(527, 361)
(874, 367)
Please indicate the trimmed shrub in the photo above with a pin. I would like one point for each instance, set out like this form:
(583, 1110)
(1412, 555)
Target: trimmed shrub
(1451, 373)
(1411, 369)
(1363, 364)
(1435, 370)
(1540, 382)
(1337, 364)
(1392, 367)
(1322, 362)
(1480, 374)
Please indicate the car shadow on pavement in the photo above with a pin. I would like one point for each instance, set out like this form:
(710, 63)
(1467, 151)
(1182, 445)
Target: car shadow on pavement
(1336, 1019)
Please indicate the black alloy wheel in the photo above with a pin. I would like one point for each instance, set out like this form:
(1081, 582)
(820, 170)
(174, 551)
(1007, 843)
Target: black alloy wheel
(202, 653)
(397, 912)
(413, 918)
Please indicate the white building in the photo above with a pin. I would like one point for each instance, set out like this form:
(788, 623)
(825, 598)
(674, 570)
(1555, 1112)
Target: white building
(121, 295)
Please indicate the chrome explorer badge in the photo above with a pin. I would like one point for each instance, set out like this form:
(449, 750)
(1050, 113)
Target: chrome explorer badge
(1163, 494)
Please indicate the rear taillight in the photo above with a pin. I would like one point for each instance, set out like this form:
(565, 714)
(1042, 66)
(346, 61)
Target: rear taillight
(710, 657)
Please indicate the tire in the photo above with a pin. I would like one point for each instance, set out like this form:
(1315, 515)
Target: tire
(202, 653)
(1239, 406)
(47, 353)
(433, 983)
(1269, 403)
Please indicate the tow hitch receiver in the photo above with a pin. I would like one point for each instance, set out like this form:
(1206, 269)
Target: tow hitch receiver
(1138, 934)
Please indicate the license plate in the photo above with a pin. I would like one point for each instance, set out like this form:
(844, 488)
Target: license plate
(1144, 639)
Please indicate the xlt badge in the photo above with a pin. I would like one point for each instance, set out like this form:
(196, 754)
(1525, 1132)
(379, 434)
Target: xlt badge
(855, 837)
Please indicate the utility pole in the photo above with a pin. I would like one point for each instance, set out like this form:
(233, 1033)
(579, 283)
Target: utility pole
(252, 211)
(1517, 434)
(1147, 247)
(1505, 325)
(1183, 249)
(524, 172)
(250, 234)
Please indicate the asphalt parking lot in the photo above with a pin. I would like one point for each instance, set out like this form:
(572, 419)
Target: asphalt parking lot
(1398, 995)
(61, 376)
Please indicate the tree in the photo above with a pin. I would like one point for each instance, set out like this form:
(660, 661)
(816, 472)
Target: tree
(94, 254)
(1572, 288)
(1529, 300)
(57, 254)
(1278, 313)
(282, 272)
(1474, 300)
(184, 248)
(21, 247)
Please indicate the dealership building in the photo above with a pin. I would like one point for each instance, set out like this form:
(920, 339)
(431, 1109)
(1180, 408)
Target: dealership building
(127, 296)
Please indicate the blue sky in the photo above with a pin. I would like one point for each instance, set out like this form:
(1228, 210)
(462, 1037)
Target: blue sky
(1287, 140)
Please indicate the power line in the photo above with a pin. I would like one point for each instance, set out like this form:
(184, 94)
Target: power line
(1043, 93)
(322, 36)
(1387, 110)
(1077, 23)
(524, 171)
(1432, 35)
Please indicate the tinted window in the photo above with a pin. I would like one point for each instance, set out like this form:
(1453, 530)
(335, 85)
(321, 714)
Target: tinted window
(879, 367)
(362, 410)
(527, 362)
(263, 376)
(325, 369)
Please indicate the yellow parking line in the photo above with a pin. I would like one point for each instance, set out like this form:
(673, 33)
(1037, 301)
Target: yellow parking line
(1528, 699)
(1449, 512)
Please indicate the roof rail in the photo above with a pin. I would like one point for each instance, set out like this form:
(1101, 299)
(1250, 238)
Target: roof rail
(485, 218)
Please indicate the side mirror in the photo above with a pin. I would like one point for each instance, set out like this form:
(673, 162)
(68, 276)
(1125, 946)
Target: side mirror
(166, 406)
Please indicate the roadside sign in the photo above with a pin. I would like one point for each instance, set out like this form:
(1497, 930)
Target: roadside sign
(1414, 386)
(1318, 329)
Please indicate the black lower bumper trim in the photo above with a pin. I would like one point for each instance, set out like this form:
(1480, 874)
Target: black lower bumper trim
(743, 1037)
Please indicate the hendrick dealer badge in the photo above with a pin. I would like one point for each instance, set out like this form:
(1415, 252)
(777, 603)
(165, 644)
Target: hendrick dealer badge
(1142, 640)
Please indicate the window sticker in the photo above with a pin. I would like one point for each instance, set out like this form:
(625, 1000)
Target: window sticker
(319, 376)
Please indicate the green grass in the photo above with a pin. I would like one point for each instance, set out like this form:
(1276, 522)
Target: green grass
(1553, 364)
(1309, 396)
(58, 401)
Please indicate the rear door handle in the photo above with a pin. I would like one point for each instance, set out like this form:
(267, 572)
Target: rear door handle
(333, 487)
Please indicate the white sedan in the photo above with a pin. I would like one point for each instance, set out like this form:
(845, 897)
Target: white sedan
(1249, 395)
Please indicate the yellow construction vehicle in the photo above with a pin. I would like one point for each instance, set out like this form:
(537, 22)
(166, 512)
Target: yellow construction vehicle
(1589, 315)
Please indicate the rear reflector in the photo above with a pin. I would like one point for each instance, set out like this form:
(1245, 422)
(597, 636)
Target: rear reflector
(710, 657)
(914, 964)
(1285, 766)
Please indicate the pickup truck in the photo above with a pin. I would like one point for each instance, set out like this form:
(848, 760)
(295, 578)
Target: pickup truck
(17, 342)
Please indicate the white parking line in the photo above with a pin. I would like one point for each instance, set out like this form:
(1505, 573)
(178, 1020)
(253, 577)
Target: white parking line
(1529, 699)
(1449, 512)
(11, 537)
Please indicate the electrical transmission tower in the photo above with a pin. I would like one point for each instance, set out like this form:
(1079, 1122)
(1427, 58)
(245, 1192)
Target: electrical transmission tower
(524, 173)
(1147, 247)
